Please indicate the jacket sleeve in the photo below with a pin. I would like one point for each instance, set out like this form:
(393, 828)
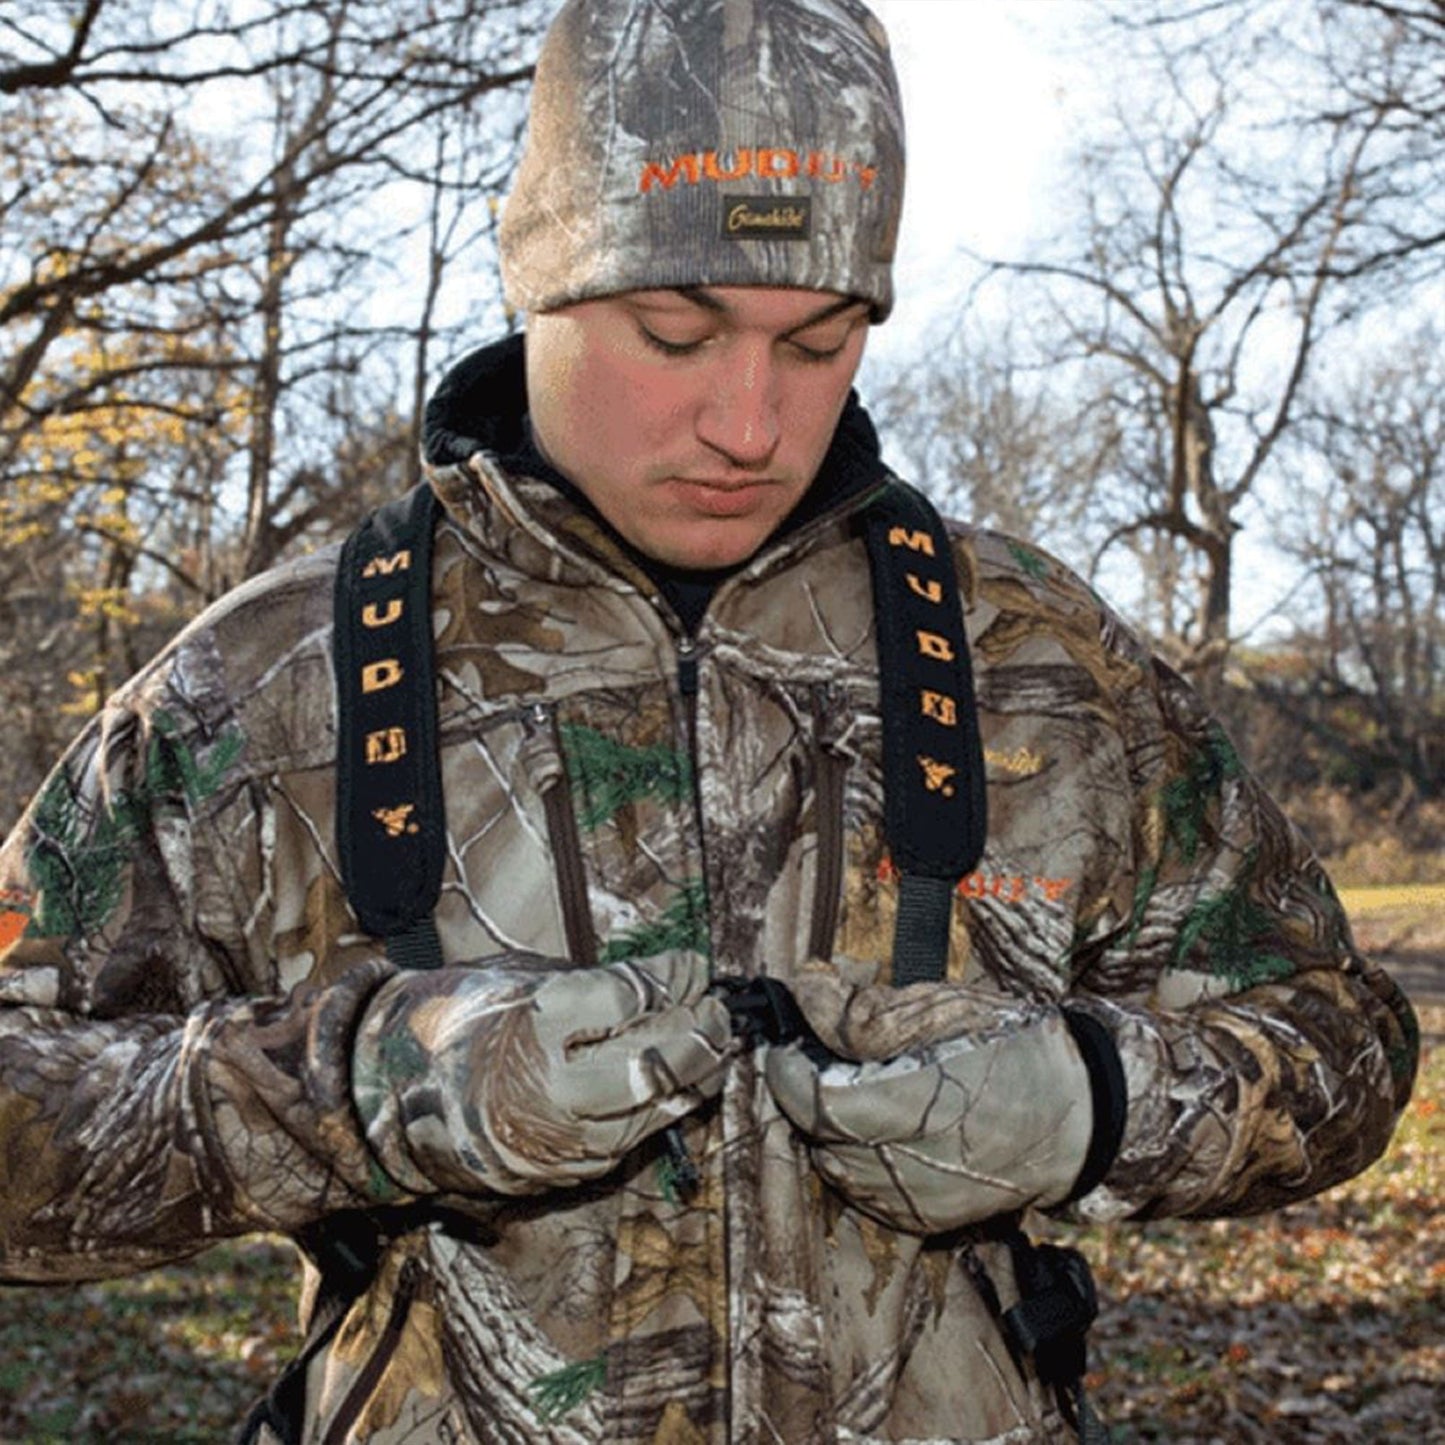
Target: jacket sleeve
(1264, 1058)
(159, 1089)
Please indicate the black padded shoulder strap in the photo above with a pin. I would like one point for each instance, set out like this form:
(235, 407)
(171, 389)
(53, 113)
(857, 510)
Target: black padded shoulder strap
(935, 810)
(390, 820)
(390, 824)
(391, 838)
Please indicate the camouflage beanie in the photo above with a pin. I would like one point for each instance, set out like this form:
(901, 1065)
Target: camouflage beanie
(708, 143)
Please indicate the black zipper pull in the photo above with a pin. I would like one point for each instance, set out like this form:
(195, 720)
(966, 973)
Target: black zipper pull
(681, 1178)
(687, 667)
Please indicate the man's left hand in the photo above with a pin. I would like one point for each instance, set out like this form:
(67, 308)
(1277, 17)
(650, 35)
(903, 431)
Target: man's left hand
(951, 1131)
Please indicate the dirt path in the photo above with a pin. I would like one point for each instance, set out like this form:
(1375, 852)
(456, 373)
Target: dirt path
(1422, 976)
(1409, 939)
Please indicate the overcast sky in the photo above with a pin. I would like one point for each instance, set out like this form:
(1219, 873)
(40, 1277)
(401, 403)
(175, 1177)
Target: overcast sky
(995, 95)
(991, 99)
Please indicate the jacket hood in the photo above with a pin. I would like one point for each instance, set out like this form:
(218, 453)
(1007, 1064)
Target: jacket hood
(481, 405)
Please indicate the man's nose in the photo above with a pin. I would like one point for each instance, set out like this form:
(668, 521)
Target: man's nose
(740, 417)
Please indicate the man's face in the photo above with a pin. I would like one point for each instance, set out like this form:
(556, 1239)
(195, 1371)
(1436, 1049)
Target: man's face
(693, 420)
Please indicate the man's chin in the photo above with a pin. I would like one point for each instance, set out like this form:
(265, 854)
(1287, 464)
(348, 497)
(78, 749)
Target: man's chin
(708, 549)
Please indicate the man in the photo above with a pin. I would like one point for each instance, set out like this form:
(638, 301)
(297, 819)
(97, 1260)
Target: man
(577, 1205)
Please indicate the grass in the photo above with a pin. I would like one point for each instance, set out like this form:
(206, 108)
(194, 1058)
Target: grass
(1421, 901)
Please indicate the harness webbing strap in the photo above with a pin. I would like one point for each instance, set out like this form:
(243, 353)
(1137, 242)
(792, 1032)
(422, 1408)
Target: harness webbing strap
(420, 946)
(390, 823)
(920, 932)
(935, 814)
(391, 844)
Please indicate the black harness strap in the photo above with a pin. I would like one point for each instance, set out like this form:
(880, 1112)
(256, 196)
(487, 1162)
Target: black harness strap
(936, 823)
(390, 823)
(935, 814)
(391, 843)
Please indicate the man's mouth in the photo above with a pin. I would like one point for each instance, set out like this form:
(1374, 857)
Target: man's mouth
(722, 497)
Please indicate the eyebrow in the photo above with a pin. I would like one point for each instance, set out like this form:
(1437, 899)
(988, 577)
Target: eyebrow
(704, 298)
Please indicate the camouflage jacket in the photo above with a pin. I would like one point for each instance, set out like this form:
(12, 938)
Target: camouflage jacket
(182, 976)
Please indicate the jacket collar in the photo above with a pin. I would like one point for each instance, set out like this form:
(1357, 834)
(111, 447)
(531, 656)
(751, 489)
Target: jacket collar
(475, 431)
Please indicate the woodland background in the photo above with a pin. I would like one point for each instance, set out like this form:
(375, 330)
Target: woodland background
(240, 238)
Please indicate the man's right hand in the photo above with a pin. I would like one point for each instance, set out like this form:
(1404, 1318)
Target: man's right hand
(526, 1073)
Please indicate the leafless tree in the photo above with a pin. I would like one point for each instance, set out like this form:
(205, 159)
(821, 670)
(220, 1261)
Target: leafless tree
(223, 269)
(149, 76)
(1250, 199)
(1367, 522)
(990, 439)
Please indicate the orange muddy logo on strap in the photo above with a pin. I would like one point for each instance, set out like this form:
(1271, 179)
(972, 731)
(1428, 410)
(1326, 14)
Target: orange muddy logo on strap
(937, 777)
(765, 163)
(396, 820)
(934, 703)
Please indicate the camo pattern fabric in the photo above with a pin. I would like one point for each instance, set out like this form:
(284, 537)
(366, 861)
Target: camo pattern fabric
(182, 979)
(529, 1074)
(754, 143)
(986, 1114)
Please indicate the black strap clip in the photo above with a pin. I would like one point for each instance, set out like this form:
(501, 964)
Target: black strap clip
(764, 1011)
(1058, 1304)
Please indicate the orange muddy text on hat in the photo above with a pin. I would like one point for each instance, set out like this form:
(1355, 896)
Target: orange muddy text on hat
(769, 163)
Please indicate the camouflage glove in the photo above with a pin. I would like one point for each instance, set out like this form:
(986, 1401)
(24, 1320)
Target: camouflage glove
(981, 1104)
(524, 1073)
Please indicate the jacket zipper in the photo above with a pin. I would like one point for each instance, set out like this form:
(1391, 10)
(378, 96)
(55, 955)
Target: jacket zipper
(685, 1176)
(566, 841)
(688, 654)
(369, 1376)
(830, 774)
(687, 680)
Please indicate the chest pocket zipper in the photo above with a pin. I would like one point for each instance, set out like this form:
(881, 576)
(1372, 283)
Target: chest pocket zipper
(548, 767)
(829, 777)
(831, 760)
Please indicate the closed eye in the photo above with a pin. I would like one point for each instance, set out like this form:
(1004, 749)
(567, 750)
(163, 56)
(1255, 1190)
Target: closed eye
(817, 354)
(670, 348)
(814, 341)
